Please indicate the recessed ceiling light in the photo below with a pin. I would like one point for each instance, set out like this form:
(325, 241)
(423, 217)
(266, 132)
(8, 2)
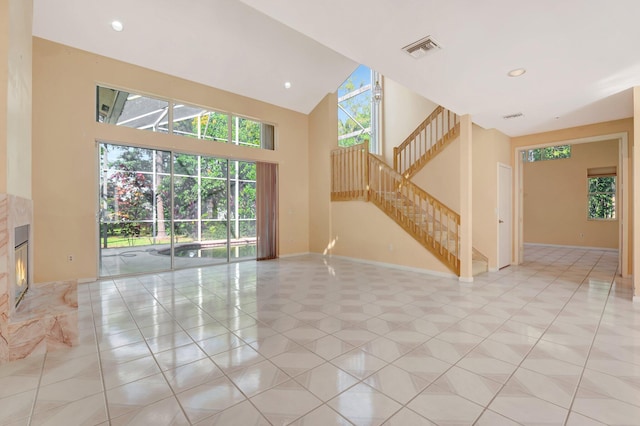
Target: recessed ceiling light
(117, 26)
(517, 72)
(287, 85)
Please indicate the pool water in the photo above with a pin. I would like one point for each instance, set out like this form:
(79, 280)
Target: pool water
(216, 252)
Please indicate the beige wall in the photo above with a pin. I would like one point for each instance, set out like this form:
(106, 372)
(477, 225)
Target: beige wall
(635, 156)
(361, 230)
(4, 86)
(402, 111)
(65, 172)
(555, 199)
(15, 107)
(490, 147)
(323, 137)
(440, 177)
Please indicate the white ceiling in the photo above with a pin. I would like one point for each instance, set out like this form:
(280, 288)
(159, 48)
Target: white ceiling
(582, 56)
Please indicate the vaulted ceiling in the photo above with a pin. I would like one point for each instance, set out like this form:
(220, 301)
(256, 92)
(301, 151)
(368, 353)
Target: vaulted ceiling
(581, 56)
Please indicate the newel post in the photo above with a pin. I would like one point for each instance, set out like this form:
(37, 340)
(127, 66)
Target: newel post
(395, 159)
(366, 171)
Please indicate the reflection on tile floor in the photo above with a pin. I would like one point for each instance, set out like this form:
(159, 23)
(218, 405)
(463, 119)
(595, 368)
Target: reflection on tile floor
(317, 341)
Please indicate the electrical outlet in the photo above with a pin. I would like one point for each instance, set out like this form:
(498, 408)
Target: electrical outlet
(70, 258)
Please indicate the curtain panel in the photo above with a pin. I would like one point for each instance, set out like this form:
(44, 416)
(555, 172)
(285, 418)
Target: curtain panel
(267, 211)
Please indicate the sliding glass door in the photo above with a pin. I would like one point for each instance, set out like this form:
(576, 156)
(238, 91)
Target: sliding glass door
(161, 210)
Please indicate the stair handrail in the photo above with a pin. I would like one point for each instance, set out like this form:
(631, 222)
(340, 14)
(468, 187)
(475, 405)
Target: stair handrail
(429, 221)
(436, 131)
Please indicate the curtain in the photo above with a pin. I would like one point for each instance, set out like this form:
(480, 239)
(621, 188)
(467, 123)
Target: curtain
(267, 138)
(267, 210)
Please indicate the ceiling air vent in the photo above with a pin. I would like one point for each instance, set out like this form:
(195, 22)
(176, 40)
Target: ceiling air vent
(421, 47)
(512, 116)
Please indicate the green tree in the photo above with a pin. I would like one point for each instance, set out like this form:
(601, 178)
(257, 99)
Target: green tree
(602, 197)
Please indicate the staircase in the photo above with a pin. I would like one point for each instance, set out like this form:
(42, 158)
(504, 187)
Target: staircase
(357, 174)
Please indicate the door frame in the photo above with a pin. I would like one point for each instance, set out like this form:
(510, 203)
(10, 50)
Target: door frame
(623, 194)
(506, 166)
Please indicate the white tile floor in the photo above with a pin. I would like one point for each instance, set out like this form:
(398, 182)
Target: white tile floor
(322, 342)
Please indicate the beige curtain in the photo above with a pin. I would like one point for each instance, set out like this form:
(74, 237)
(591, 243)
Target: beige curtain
(267, 136)
(267, 210)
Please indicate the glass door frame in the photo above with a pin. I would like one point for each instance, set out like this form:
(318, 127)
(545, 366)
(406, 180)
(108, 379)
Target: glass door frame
(171, 221)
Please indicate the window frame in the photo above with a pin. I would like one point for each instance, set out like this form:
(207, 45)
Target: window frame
(612, 196)
(267, 142)
(528, 156)
(373, 131)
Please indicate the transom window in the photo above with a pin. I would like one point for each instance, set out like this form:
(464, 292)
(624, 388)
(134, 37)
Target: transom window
(547, 153)
(157, 115)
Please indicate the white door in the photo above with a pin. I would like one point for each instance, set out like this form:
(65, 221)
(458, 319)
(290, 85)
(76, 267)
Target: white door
(504, 215)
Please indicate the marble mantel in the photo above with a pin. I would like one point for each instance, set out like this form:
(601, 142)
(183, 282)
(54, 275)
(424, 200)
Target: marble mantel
(47, 317)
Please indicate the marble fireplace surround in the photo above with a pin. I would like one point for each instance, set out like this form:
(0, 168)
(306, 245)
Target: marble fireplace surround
(47, 317)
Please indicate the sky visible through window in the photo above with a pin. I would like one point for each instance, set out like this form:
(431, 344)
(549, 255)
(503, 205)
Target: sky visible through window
(361, 77)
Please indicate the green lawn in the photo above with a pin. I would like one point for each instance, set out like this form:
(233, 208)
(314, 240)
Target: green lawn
(117, 241)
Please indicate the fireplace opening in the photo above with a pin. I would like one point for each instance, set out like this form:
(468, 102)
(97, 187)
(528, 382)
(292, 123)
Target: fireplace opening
(21, 255)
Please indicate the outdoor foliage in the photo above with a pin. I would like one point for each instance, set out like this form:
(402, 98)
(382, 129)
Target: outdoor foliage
(548, 153)
(602, 197)
(136, 202)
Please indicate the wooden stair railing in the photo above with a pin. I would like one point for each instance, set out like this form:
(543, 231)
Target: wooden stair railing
(358, 175)
(430, 137)
(349, 172)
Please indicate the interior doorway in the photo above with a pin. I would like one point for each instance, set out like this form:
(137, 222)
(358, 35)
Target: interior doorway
(623, 209)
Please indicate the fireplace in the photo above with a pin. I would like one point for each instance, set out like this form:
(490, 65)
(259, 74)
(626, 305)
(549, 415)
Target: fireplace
(21, 255)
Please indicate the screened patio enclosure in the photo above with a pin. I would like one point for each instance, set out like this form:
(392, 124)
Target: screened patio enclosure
(163, 210)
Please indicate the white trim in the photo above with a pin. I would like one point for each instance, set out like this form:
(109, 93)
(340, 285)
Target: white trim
(573, 247)
(495, 269)
(498, 241)
(392, 266)
(285, 256)
(87, 280)
(465, 279)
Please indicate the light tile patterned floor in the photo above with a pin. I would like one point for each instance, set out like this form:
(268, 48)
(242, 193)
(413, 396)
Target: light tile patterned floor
(314, 341)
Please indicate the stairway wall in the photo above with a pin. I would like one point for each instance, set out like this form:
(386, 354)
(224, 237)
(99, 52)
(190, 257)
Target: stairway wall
(402, 111)
(441, 176)
(361, 230)
(323, 137)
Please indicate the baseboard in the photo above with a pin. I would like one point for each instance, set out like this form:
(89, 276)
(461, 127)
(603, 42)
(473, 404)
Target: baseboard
(573, 247)
(393, 266)
(284, 256)
(87, 280)
(465, 279)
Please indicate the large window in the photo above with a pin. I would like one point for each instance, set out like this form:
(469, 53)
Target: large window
(146, 113)
(601, 197)
(162, 210)
(358, 111)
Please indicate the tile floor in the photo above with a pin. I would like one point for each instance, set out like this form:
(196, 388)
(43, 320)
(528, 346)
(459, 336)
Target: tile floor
(318, 341)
